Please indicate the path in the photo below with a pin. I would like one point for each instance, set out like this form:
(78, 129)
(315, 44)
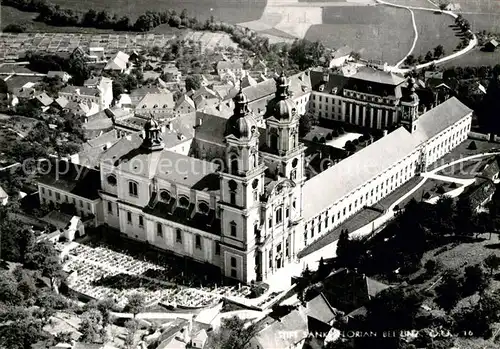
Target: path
(415, 30)
(470, 46)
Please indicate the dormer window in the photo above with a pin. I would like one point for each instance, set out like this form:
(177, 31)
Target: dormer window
(184, 202)
(203, 207)
(155, 106)
(165, 195)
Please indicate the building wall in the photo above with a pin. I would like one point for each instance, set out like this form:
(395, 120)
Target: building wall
(84, 206)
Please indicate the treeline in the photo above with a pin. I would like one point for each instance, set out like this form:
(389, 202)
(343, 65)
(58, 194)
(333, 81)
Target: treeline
(55, 15)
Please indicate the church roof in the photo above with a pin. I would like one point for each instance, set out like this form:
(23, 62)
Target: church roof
(128, 156)
(331, 185)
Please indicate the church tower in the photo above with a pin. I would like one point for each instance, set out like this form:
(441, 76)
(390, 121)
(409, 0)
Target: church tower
(409, 107)
(242, 184)
(282, 205)
(152, 136)
(284, 155)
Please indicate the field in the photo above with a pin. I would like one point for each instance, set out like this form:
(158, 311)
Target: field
(433, 30)
(369, 30)
(475, 58)
(231, 11)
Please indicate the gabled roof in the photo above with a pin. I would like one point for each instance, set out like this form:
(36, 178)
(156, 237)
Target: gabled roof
(493, 42)
(75, 179)
(81, 90)
(61, 101)
(294, 323)
(477, 193)
(44, 99)
(118, 61)
(378, 76)
(491, 168)
(3, 194)
(229, 65)
(329, 186)
(184, 99)
(319, 309)
(162, 100)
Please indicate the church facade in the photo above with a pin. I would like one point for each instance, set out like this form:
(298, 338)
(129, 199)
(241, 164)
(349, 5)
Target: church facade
(242, 203)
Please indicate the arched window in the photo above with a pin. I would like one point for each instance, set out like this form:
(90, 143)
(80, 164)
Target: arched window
(165, 195)
(274, 141)
(254, 160)
(203, 207)
(184, 201)
(232, 227)
(255, 183)
(234, 163)
(111, 180)
(132, 188)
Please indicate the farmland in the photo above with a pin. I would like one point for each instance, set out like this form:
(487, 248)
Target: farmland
(369, 30)
(433, 30)
(230, 11)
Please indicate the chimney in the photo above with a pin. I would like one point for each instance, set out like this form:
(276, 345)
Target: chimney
(169, 126)
(326, 75)
(384, 133)
(77, 90)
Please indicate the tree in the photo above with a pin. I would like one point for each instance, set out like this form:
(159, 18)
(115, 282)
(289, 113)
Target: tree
(136, 303)
(475, 280)
(233, 334)
(492, 263)
(91, 327)
(132, 326)
(343, 246)
(410, 60)
(428, 56)
(117, 89)
(175, 21)
(45, 258)
(439, 51)
(464, 217)
(449, 290)
(14, 28)
(193, 82)
(306, 122)
(472, 146)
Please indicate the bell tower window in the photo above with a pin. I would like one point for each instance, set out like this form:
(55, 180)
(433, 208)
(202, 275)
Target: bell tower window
(274, 141)
(232, 192)
(234, 164)
(232, 227)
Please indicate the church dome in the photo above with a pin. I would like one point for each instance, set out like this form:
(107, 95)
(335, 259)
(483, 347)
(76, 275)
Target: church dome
(284, 109)
(242, 127)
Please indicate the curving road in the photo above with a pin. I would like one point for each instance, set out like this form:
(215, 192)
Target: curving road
(396, 69)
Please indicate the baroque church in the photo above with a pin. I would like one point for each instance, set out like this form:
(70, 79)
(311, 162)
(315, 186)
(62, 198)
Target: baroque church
(240, 200)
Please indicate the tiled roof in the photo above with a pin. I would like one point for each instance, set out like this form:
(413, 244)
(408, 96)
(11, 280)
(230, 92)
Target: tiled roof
(212, 129)
(481, 190)
(184, 99)
(61, 101)
(118, 61)
(319, 309)
(44, 99)
(82, 90)
(294, 323)
(331, 185)
(378, 76)
(162, 100)
(78, 180)
(229, 65)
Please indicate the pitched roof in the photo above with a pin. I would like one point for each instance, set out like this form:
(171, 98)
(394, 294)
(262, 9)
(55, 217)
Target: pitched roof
(329, 186)
(294, 323)
(44, 99)
(184, 99)
(118, 61)
(3, 194)
(81, 90)
(162, 100)
(319, 309)
(229, 64)
(73, 178)
(61, 101)
(481, 190)
(378, 76)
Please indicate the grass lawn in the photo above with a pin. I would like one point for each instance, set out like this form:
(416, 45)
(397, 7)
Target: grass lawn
(430, 186)
(461, 151)
(396, 194)
(377, 32)
(474, 58)
(433, 30)
(489, 21)
(465, 170)
(355, 222)
(481, 6)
